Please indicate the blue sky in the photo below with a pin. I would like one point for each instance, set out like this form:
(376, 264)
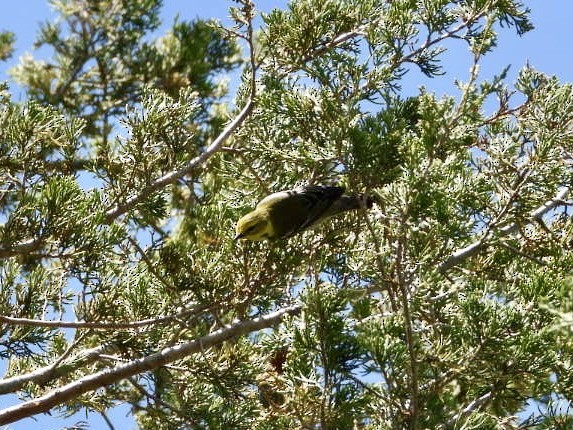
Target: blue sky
(545, 48)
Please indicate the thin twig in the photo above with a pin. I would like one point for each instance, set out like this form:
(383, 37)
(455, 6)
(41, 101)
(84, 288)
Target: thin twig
(335, 42)
(381, 267)
(151, 267)
(157, 400)
(414, 390)
(472, 406)
(107, 420)
(103, 325)
(523, 254)
(69, 350)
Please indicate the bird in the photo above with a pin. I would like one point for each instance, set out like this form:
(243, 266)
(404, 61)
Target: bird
(286, 213)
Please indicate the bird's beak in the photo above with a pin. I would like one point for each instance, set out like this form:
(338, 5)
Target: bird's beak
(239, 236)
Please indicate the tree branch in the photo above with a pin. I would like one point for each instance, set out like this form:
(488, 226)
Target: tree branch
(472, 406)
(24, 247)
(102, 325)
(47, 373)
(144, 364)
(469, 251)
(173, 176)
(335, 42)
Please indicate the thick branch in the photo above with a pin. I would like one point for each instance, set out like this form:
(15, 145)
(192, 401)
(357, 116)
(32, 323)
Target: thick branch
(150, 362)
(47, 373)
(24, 247)
(469, 251)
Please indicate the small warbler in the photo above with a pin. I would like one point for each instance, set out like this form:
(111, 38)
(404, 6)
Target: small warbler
(286, 213)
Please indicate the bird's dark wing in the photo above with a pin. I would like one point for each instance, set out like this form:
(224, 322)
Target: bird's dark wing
(305, 206)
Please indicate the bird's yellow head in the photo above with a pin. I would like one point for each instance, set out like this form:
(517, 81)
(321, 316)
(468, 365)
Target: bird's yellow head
(255, 225)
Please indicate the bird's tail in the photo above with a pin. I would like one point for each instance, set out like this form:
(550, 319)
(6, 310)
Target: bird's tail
(346, 203)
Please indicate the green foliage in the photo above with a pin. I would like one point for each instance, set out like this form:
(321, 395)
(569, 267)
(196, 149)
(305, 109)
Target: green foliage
(447, 306)
(7, 39)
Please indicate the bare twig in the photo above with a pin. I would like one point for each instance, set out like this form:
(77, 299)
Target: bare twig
(523, 254)
(69, 350)
(156, 399)
(446, 35)
(336, 41)
(151, 267)
(381, 267)
(103, 325)
(107, 420)
(144, 364)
